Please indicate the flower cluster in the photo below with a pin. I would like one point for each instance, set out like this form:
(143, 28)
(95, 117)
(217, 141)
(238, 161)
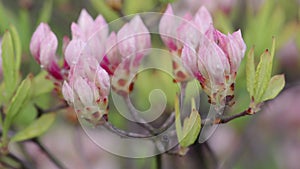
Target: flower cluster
(96, 59)
(206, 54)
(91, 59)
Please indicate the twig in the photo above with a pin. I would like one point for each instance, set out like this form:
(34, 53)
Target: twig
(123, 133)
(222, 120)
(63, 106)
(17, 159)
(47, 153)
(53, 109)
(140, 121)
(158, 161)
(168, 122)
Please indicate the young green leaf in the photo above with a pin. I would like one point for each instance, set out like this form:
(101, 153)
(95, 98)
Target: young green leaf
(8, 65)
(46, 11)
(262, 75)
(40, 80)
(17, 102)
(101, 7)
(276, 84)
(36, 128)
(250, 72)
(17, 47)
(191, 127)
(166, 1)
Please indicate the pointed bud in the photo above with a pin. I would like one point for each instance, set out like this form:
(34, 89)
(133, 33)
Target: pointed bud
(43, 46)
(203, 20)
(68, 93)
(87, 27)
(112, 56)
(74, 51)
(214, 60)
(168, 29)
(236, 49)
(133, 37)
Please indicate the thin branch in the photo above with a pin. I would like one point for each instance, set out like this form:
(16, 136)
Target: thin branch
(17, 159)
(222, 120)
(49, 155)
(123, 133)
(140, 121)
(53, 109)
(158, 161)
(168, 122)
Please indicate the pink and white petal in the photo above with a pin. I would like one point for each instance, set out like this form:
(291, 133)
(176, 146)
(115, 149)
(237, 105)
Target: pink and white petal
(203, 19)
(74, 51)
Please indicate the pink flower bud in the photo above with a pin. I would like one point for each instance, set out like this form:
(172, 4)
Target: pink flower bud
(236, 49)
(203, 19)
(168, 29)
(214, 61)
(74, 51)
(87, 27)
(87, 90)
(43, 47)
(112, 56)
(68, 93)
(133, 38)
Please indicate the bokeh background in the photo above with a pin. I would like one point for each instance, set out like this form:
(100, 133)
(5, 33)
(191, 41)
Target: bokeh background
(269, 139)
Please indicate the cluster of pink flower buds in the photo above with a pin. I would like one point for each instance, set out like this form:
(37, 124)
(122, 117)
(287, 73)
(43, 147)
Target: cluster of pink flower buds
(206, 54)
(96, 60)
(91, 60)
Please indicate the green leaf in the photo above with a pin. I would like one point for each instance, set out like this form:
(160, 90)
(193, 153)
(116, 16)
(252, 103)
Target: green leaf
(8, 65)
(27, 115)
(46, 11)
(41, 80)
(276, 84)
(35, 129)
(191, 127)
(166, 1)
(101, 7)
(17, 102)
(262, 75)
(137, 6)
(17, 47)
(250, 72)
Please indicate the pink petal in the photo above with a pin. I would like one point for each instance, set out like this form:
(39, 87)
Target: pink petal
(203, 19)
(68, 93)
(74, 51)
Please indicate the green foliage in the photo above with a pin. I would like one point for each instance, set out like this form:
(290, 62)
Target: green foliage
(276, 84)
(136, 6)
(11, 58)
(40, 80)
(191, 125)
(36, 128)
(17, 102)
(46, 12)
(108, 13)
(264, 87)
(250, 72)
(262, 75)
(167, 1)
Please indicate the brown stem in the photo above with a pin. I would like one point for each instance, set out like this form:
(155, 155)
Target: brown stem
(123, 133)
(222, 120)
